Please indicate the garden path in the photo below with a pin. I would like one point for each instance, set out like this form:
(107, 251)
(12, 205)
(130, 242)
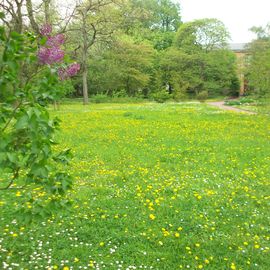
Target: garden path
(221, 105)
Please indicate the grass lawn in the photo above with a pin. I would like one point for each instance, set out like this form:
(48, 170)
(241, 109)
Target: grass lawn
(157, 186)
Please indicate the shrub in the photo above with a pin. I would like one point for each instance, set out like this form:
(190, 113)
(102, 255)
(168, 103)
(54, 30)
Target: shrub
(161, 96)
(202, 96)
(99, 98)
(232, 102)
(27, 156)
(244, 100)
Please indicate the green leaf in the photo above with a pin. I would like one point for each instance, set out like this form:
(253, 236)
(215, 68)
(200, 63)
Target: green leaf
(12, 157)
(3, 157)
(2, 33)
(39, 171)
(22, 122)
(15, 35)
(43, 41)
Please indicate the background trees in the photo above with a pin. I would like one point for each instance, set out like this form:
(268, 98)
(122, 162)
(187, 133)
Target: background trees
(134, 47)
(94, 21)
(258, 63)
(203, 34)
(199, 60)
(128, 64)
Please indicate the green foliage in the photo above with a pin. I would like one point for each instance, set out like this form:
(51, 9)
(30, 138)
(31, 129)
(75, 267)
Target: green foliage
(263, 33)
(202, 96)
(220, 72)
(27, 160)
(244, 100)
(199, 60)
(202, 34)
(127, 65)
(235, 86)
(161, 96)
(153, 50)
(99, 98)
(152, 20)
(192, 73)
(258, 66)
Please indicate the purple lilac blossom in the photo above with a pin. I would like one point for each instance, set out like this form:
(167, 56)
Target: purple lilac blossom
(73, 69)
(70, 71)
(50, 55)
(62, 74)
(55, 41)
(46, 30)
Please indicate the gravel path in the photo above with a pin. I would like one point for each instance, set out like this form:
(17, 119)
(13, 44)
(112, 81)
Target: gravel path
(220, 105)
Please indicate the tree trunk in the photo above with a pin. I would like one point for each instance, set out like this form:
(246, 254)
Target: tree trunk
(31, 17)
(47, 11)
(84, 59)
(19, 18)
(85, 87)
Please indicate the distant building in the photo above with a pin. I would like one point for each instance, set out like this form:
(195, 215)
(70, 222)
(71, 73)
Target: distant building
(240, 50)
(238, 47)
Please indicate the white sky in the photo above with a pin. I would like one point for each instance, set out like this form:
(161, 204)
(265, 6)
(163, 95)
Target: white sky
(237, 15)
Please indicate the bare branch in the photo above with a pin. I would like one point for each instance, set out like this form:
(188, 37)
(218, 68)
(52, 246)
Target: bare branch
(15, 176)
(29, 7)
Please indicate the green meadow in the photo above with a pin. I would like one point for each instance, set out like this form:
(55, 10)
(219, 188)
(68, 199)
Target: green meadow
(157, 186)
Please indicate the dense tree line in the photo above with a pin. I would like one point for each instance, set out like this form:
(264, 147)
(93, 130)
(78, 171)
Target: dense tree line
(135, 47)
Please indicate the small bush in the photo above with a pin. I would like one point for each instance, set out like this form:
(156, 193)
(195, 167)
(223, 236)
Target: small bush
(232, 102)
(161, 96)
(244, 100)
(99, 98)
(202, 96)
(179, 96)
(120, 94)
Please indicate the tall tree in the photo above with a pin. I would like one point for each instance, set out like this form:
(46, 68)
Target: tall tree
(204, 34)
(127, 65)
(13, 18)
(258, 62)
(199, 60)
(154, 20)
(95, 21)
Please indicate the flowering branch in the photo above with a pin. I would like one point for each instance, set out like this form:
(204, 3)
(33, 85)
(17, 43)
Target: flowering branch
(51, 53)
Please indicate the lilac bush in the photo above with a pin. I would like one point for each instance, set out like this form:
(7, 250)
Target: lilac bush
(55, 41)
(73, 69)
(51, 53)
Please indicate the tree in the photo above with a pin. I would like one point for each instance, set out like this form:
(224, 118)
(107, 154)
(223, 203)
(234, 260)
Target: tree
(13, 18)
(94, 22)
(258, 62)
(203, 34)
(221, 73)
(263, 33)
(199, 60)
(180, 72)
(125, 66)
(153, 20)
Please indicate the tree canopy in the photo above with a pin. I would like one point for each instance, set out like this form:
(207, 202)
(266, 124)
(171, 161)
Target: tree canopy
(135, 46)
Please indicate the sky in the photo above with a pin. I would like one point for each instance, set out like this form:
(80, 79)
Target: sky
(237, 15)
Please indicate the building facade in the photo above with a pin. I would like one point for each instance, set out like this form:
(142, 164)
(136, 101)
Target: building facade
(240, 50)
